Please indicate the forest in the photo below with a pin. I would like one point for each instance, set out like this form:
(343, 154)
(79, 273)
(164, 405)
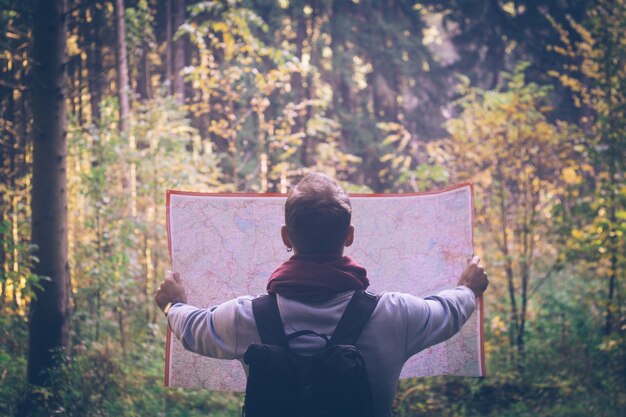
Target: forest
(106, 104)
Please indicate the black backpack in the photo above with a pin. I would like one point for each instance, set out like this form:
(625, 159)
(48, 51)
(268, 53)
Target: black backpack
(330, 383)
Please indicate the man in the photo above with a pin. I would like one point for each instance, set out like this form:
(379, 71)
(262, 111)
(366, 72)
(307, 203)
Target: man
(313, 289)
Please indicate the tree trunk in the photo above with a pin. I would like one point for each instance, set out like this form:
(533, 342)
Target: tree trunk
(15, 236)
(297, 84)
(613, 251)
(508, 264)
(79, 95)
(143, 74)
(525, 278)
(3, 256)
(3, 269)
(123, 94)
(5, 175)
(94, 61)
(49, 325)
(178, 12)
(122, 67)
(614, 156)
(72, 85)
(342, 100)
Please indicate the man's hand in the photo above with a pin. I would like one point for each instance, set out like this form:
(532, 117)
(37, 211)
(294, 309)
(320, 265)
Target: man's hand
(474, 277)
(171, 290)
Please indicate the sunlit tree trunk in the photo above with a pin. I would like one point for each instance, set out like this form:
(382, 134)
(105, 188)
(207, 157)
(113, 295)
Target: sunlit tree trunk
(15, 236)
(13, 196)
(74, 65)
(96, 301)
(124, 98)
(49, 325)
(263, 168)
(5, 200)
(4, 150)
(122, 67)
(3, 256)
(124, 126)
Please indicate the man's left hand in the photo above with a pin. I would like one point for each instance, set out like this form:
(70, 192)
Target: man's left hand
(171, 290)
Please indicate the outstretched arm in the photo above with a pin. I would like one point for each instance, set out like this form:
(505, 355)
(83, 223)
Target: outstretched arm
(433, 319)
(209, 332)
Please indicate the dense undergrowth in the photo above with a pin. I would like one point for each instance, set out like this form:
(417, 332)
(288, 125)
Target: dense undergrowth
(569, 370)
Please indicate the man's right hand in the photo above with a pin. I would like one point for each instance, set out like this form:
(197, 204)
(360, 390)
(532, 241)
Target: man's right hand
(474, 277)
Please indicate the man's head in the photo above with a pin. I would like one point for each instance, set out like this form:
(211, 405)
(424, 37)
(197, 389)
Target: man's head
(317, 217)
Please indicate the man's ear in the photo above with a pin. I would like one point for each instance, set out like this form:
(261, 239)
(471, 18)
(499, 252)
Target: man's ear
(350, 237)
(284, 234)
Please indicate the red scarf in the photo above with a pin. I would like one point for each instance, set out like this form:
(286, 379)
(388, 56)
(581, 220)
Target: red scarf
(317, 277)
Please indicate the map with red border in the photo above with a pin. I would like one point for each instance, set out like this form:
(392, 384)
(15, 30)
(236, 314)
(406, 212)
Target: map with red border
(227, 245)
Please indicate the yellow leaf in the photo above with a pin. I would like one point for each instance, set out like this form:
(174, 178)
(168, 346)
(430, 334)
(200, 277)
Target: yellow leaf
(570, 176)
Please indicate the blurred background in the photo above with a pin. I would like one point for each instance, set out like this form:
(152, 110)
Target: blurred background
(525, 98)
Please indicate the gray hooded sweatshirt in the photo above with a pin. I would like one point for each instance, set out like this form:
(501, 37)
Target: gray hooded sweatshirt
(400, 326)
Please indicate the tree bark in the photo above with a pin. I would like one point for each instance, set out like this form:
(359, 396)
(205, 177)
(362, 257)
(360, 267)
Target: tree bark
(93, 35)
(49, 325)
(608, 137)
(14, 173)
(122, 67)
(143, 74)
(178, 15)
(508, 264)
(297, 83)
(79, 95)
(6, 148)
(342, 97)
(3, 269)
(123, 94)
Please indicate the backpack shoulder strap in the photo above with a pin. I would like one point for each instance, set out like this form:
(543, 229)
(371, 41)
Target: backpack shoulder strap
(354, 319)
(268, 321)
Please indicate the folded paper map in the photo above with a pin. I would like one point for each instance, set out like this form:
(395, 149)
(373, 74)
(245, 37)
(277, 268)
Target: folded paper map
(227, 245)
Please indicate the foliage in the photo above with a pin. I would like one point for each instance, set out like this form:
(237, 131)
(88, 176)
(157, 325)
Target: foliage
(597, 222)
(244, 97)
(20, 278)
(13, 333)
(386, 97)
(504, 141)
